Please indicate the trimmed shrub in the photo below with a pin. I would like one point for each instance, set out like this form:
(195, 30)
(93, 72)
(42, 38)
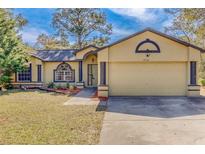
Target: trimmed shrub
(67, 85)
(51, 85)
(202, 82)
(5, 81)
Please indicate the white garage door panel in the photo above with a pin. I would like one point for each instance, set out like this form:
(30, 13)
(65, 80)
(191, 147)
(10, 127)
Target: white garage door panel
(139, 79)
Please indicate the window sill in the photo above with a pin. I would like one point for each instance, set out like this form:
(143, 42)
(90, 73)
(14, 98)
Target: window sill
(65, 81)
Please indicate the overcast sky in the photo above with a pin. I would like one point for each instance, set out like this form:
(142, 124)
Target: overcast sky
(124, 21)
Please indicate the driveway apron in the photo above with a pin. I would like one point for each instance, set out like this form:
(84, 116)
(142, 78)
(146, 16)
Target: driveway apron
(154, 120)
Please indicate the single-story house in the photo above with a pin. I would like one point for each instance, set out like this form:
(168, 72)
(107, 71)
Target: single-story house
(147, 63)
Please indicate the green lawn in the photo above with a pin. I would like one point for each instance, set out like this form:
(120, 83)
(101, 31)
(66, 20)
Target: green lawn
(37, 117)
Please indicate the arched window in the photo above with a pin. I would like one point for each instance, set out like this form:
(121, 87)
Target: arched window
(64, 72)
(147, 46)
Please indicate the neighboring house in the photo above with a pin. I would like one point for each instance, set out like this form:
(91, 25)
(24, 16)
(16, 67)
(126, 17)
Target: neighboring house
(145, 63)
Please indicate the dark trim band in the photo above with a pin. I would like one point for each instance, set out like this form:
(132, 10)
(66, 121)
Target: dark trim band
(193, 89)
(194, 85)
(102, 90)
(30, 72)
(39, 73)
(193, 72)
(80, 71)
(102, 73)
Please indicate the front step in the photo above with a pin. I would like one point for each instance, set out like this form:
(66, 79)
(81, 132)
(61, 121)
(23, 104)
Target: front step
(28, 85)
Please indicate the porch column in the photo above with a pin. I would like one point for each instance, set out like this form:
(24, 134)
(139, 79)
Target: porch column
(102, 73)
(103, 88)
(193, 87)
(80, 71)
(80, 84)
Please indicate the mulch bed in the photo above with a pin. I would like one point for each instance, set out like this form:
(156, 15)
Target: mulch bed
(62, 90)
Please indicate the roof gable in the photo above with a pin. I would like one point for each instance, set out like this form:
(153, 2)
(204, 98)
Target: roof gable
(158, 33)
(150, 47)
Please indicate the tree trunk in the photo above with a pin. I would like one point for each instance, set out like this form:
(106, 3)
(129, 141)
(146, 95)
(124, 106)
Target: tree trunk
(79, 42)
(1, 72)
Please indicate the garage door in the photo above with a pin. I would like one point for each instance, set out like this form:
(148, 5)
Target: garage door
(147, 79)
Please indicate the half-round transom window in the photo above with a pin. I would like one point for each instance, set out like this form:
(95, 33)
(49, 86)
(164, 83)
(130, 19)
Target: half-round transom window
(147, 46)
(64, 73)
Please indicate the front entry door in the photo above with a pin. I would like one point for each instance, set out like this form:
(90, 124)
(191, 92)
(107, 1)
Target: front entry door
(92, 75)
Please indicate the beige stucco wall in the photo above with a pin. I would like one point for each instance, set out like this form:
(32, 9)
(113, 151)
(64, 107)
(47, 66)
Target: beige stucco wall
(103, 57)
(13, 78)
(49, 68)
(127, 71)
(193, 55)
(34, 61)
(203, 56)
(170, 50)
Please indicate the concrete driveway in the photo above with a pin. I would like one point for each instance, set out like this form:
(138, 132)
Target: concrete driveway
(154, 120)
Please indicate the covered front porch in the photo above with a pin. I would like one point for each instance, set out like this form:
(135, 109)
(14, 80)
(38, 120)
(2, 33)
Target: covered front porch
(93, 72)
(88, 70)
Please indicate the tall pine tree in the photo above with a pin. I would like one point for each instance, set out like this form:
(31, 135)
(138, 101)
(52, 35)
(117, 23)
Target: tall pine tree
(84, 25)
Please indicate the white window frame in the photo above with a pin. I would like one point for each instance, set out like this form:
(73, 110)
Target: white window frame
(68, 73)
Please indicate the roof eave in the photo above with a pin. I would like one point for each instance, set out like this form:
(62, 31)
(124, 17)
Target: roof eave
(75, 52)
(76, 60)
(36, 57)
